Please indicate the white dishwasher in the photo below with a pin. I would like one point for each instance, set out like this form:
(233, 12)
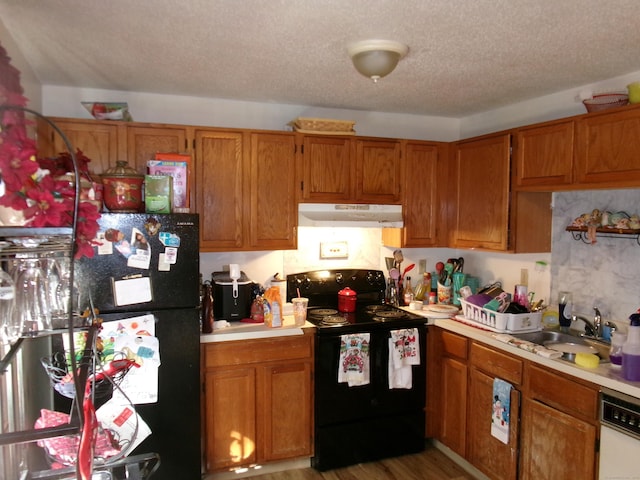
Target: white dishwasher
(619, 436)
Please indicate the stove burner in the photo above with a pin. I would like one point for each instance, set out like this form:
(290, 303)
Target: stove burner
(323, 312)
(333, 321)
(376, 308)
(386, 316)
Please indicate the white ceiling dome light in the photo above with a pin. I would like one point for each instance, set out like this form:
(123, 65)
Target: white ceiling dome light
(376, 58)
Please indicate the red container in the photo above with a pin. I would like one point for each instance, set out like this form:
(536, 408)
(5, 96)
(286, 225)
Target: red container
(122, 188)
(347, 300)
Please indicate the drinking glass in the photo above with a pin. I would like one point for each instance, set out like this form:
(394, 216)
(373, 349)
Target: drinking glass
(32, 299)
(8, 330)
(64, 294)
(300, 310)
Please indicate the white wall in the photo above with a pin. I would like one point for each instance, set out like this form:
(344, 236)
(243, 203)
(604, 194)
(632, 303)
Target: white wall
(28, 80)
(550, 107)
(215, 112)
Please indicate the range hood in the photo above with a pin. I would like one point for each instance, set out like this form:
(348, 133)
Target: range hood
(349, 215)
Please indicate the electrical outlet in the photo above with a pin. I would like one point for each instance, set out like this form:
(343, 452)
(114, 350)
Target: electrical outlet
(524, 276)
(422, 266)
(334, 250)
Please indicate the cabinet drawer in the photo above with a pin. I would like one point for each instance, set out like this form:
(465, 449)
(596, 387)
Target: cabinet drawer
(562, 393)
(242, 352)
(454, 345)
(496, 364)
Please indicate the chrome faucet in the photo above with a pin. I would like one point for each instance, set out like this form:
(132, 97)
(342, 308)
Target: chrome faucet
(592, 328)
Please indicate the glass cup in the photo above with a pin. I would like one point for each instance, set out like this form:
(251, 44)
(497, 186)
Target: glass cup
(32, 299)
(300, 310)
(9, 332)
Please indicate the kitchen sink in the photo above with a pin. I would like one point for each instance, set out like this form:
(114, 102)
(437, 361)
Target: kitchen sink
(549, 337)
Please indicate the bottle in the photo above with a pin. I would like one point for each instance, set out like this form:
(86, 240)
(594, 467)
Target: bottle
(423, 289)
(408, 292)
(207, 308)
(400, 292)
(564, 308)
(615, 354)
(631, 350)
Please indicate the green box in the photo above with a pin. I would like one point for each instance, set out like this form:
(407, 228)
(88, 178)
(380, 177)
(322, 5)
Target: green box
(158, 193)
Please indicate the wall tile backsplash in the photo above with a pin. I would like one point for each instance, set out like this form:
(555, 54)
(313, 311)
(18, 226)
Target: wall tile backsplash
(604, 275)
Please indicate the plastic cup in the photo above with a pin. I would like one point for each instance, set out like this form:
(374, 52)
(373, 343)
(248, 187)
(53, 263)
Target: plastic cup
(300, 310)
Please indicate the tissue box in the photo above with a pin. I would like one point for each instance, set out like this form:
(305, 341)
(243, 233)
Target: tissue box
(157, 193)
(178, 166)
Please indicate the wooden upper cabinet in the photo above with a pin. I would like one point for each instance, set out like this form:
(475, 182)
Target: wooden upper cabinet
(273, 209)
(99, 141)
(543, 155)
(144, 142)
(608, 150)
(482, 202)
(220, 188)
(326, 169)
(378, 171)
(420, 194)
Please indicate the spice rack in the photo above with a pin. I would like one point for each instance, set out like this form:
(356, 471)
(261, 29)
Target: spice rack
(580, 233)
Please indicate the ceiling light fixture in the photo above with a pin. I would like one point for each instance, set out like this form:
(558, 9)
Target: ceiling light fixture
(376, 58)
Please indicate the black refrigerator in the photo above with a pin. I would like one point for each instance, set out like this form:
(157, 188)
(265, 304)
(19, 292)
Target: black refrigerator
(148, 265)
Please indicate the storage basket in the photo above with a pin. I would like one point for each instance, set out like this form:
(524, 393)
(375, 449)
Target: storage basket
(325, 126)
(502, 322)
(605, 101)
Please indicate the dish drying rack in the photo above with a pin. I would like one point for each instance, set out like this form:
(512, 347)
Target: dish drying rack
(60, 240)
(501, 322)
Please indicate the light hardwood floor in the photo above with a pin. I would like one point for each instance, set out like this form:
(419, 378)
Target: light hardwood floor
(431, 464)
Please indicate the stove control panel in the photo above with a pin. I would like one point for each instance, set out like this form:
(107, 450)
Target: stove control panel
(327, 282)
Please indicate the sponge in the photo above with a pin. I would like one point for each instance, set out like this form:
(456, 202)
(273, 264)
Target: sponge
(587, 360)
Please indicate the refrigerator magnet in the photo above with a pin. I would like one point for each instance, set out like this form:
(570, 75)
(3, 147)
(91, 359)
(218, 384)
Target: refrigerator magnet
(131, 291)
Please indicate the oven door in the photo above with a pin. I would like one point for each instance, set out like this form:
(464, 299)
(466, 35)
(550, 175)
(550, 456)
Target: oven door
(366, 422)
(338, 402)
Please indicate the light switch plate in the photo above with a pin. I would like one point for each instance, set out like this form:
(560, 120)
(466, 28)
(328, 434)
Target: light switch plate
(334, 250)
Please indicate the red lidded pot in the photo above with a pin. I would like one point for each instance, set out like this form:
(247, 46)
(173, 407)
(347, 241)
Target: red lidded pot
(347, 300)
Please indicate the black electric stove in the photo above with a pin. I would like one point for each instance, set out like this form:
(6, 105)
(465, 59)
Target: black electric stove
(355, 424)
(321, 287)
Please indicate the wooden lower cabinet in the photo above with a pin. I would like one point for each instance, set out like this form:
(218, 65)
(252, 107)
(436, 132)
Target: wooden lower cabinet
(559, 427)
(488, 454)
(554, 427)
(258, 401)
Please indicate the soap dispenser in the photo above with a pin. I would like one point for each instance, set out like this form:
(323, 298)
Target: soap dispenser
(631, 350)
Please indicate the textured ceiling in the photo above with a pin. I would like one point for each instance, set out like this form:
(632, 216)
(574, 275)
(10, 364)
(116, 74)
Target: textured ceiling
(466, 56)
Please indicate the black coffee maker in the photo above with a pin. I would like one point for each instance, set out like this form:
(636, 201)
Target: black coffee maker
(232, 294)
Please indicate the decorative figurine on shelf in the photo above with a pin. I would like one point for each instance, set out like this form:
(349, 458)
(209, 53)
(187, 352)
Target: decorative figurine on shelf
(30, 193)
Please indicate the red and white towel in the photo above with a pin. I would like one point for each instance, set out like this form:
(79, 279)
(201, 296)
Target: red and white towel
(353, 364)
(404, 351)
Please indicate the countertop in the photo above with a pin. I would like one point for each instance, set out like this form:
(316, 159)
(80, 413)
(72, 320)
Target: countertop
(604, 375)
(246, 331)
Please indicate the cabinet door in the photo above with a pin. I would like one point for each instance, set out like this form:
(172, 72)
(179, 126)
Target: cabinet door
(544, 155)
(555, 445)
(482, 174)
(98, 141)
(286, 406)
(420, 195)
(608, 151)
(220, 189)
(327, 171)
(488, 454)
(144, 142)
(230, 417)
(454, 404)
(273, 209)
(378, 171)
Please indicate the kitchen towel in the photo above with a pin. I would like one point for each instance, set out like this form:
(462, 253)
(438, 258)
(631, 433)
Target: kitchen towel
(528, 346)
(500, 410)
(353, 364)
(404, 351)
